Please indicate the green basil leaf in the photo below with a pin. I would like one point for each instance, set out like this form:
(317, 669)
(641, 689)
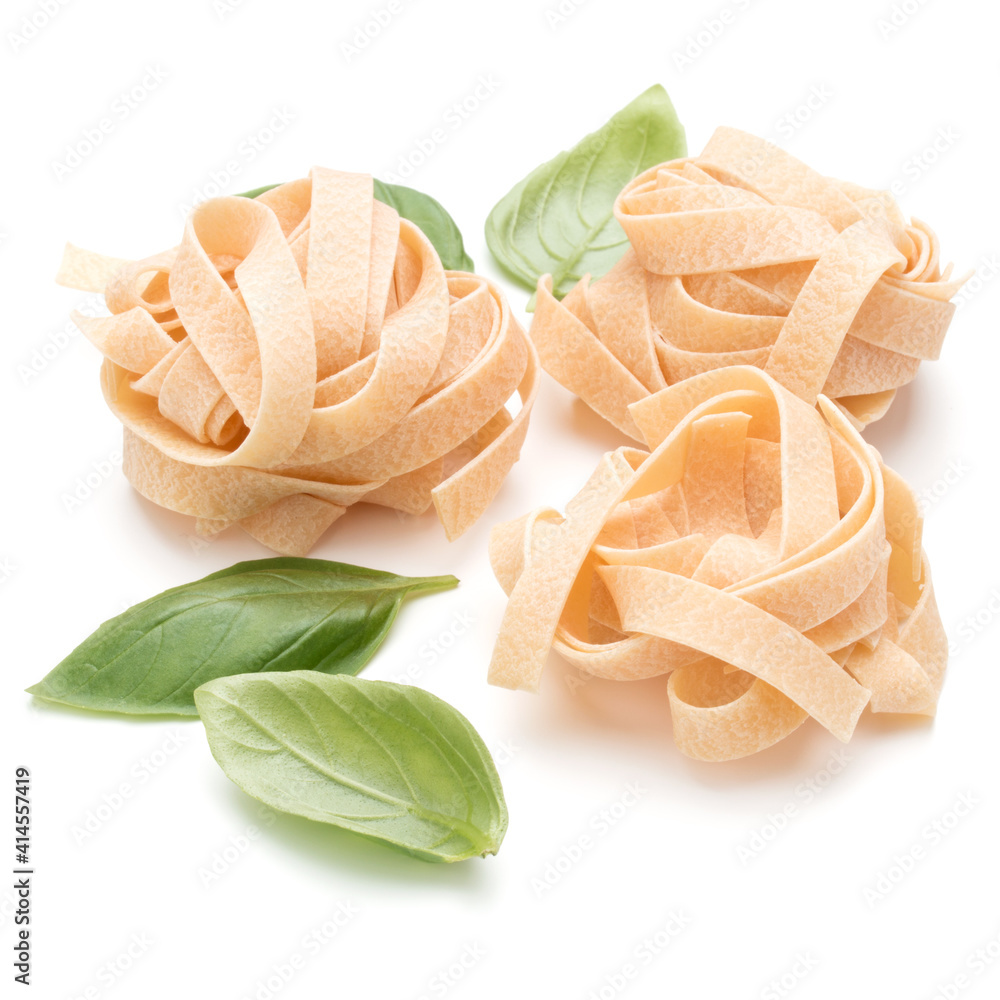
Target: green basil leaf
(391, 762)
(264, 615)
(559, 220)
(428, 214)
(430, 217)
(256, 191)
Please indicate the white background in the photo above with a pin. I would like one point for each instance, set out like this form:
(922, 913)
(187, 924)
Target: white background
(569, 753)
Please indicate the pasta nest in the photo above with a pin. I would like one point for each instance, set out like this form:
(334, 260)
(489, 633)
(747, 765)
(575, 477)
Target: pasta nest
(744, 255)
(302, 351)
(760, 553)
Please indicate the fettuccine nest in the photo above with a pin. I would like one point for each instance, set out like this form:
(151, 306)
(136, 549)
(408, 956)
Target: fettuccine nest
(303, 351)
(744, 255)
(760, 553)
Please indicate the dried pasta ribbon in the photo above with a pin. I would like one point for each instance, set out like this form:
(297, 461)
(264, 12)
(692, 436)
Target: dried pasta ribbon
(744, 255)
(759, 552)
(303, 351)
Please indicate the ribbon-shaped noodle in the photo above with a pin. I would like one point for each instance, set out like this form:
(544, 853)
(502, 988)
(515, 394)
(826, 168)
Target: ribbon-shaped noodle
(760, 552)
(744, 255)
(303, 351)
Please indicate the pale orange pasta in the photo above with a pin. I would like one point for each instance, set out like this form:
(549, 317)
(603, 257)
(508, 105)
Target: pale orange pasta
(303, 351)
(744, 255)
(760, 553)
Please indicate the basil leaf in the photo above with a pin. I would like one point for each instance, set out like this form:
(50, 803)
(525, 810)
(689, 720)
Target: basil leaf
(256, 191)
(390, 762)
(264, 615)
(559, 220)
(428, 214)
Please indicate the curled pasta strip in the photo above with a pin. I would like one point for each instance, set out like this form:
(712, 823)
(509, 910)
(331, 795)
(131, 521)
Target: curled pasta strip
(744, 255)
(301, 352)
(760, 553)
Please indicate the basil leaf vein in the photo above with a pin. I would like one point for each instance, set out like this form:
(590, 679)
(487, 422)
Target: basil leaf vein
(260, 616)
(390, 762)
(559, 220)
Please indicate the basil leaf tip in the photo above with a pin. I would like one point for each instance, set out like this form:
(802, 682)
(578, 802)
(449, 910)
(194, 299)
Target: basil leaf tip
(256, 191)
(559, 220)
(390, 762)
(266, 615)
(430, 216)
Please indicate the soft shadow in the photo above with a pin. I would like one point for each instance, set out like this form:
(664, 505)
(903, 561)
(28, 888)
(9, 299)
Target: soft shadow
(899, 419)
(586, 423)
(802, 753)
(368, 519)
(177, 532)
(638, 712)
(340, 542)
(342, 851)
(882, 724)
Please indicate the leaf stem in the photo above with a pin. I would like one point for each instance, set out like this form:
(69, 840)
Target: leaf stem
(430, 584)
